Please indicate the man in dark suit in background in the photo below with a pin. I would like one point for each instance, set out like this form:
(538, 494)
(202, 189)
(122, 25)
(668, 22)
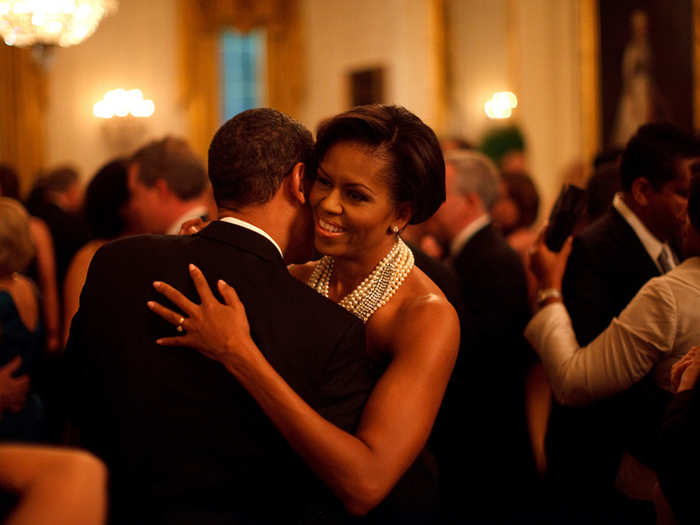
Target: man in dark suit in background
(183, 441)
(167, 186)
(635, 240)
(495, 301)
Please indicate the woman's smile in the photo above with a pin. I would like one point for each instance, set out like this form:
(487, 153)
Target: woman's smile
(328, 228)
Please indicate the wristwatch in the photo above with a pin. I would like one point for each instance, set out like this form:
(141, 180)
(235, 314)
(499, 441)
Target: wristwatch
(547, 293)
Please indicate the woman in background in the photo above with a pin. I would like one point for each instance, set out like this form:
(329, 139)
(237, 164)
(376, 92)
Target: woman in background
(109, 216)
(43, 269)
(20, 323)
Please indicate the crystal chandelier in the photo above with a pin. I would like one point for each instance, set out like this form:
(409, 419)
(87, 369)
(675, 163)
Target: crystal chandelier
(51, 22)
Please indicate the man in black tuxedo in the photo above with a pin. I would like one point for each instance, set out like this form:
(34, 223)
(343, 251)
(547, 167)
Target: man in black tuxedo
(635, 240)
(493, 288)
(183, 441)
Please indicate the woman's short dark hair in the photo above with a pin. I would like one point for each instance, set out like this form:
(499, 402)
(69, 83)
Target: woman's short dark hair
(416, 166)
(251, 154)
(521, 188)
(106, 196)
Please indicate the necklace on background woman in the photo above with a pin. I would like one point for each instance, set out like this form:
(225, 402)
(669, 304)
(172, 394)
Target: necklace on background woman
(376, 289)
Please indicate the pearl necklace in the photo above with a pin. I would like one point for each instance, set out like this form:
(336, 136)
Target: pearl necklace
(376, 289)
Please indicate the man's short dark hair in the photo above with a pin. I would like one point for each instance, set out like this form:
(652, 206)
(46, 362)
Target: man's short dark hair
(654, 152)
(416, 166)
(172, 160)
(251, 154)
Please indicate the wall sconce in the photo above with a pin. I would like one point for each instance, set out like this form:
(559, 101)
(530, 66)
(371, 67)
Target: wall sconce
(125, 113)
(501, 105)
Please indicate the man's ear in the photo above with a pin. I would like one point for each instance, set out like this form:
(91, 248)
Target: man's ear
(295, 183)
(641, 187)
(163, 189)
(473, 202)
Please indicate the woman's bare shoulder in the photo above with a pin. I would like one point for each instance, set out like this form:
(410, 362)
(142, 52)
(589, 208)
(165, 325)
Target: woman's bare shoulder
(421, 310)
(422, 291)
(302, 272)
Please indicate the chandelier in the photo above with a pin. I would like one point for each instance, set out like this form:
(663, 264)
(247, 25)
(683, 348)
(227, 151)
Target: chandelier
(51, 22)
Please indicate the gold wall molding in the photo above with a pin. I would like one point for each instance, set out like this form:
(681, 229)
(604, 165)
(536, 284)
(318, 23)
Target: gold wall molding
(589, 52)
(438, 38)
(696, 64)
(514, 57)
(23, 101)
(200, 22)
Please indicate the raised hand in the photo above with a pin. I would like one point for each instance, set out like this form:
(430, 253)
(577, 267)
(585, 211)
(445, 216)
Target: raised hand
(548, 266)
(684, 374)
(13, 390)
(218, 330)
(193, 226)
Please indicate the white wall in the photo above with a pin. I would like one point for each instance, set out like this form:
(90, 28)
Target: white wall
(344, 36)
(546, 78)
(478, 61)
(550, 102)
(134, 48)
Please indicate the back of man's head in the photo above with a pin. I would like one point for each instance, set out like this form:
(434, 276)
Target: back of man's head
(475, 173)
(172, 160)
(251, 154)
(654, 152)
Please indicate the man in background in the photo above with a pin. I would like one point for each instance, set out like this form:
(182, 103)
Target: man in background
(168, 185)
(636, 239)
(494, 294)
(57, 199)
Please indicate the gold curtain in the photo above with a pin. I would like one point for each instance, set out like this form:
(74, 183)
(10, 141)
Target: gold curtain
(200, 24)
(22, 104)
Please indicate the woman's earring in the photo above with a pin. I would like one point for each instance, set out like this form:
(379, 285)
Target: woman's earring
(395, 229)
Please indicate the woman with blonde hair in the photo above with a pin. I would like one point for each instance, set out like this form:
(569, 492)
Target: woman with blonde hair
(20, 326)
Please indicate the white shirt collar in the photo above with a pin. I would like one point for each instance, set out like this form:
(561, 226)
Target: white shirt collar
(252, 227)
(468, 232)
(198, 211)
(651, 244)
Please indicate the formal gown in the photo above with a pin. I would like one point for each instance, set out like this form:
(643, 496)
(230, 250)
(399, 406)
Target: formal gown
(16, 339)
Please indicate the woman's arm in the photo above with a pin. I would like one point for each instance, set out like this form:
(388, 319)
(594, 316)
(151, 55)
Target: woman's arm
(74, 282)
(619, 357)
(55, 485)
(46, 269)
(361, 469)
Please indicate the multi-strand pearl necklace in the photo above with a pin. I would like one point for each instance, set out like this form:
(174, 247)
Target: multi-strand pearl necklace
(376, 289)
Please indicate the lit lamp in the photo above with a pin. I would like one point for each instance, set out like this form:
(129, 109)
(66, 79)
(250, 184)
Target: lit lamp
(501, 105)
(125, 113)
(45, 24)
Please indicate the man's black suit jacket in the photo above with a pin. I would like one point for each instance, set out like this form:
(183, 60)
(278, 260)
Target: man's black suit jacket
(607, 266)
(485, 393)
(181, 437)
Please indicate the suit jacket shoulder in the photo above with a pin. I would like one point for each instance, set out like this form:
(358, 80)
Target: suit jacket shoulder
(607, 266)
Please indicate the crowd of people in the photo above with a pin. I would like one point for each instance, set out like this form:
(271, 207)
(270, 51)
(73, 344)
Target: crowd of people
(361, 327)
